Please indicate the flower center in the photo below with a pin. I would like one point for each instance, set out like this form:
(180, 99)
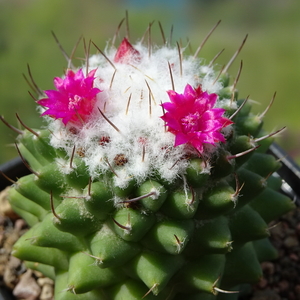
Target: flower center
(74, 102)
(190, 122)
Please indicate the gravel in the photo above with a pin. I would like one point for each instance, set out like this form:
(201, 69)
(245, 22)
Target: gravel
(281, 278)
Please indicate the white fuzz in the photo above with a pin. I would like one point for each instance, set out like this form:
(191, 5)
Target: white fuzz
(130, 99)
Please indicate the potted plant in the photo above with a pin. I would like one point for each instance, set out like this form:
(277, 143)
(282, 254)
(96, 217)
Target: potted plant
(151, 179)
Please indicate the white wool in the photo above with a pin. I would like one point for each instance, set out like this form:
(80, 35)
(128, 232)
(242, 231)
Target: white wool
(131, 100)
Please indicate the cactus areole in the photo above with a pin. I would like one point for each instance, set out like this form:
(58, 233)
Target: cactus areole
(149, 180)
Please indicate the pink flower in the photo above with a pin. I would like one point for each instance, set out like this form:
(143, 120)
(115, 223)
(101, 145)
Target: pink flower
(74, 99)
(126, 53)
(191, 116)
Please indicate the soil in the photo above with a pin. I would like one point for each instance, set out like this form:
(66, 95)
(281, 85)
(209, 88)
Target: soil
(281, 280)
(16, 281)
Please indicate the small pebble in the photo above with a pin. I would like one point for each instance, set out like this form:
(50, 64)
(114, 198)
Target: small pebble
(268, 267)
(47, 292)
(5, 207)
(10, 276)
(283, 285)
(291, 241)
(20, 224)
(266, 294)
(44, 280)
(37, 274)
(27, 288)
(294, 257)
(262, 284)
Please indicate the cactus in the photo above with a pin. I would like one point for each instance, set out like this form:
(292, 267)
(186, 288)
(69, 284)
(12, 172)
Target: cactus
(150, 180)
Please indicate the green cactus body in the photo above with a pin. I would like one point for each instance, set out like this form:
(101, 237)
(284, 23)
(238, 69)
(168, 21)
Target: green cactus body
(137, 194)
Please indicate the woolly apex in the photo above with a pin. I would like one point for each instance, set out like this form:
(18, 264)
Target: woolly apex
(126, 132)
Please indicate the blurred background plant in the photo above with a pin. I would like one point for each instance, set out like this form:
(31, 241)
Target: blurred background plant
(271, 56)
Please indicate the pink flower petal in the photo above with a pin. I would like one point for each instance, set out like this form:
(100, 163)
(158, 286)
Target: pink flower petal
(74, 99)
(181, 139)
(126, 53)
(193, 119)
